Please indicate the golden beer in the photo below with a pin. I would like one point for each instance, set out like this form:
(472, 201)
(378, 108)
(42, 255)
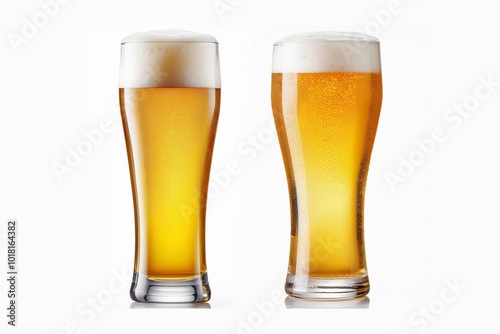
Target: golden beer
(169, 99)
(170, 146)
(326, 118)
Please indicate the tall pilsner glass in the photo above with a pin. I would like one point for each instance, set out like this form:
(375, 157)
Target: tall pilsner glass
(326, 99)
(169, 100)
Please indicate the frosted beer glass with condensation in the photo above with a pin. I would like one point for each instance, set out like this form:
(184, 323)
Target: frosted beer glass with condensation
(326, 100)
(169, 99)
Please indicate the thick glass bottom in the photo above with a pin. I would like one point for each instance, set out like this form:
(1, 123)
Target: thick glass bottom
(327, 288)
(148, 290)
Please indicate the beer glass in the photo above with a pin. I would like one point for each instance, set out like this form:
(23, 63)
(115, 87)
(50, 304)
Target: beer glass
(169, 101)
(326, 98)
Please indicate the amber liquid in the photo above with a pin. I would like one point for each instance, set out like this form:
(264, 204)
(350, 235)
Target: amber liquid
(326, 124)
(170, 134)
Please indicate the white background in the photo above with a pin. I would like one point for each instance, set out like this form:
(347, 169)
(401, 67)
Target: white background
(439, 227)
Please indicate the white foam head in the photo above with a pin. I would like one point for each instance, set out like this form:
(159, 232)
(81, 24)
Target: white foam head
(326, 51)
(169, 58)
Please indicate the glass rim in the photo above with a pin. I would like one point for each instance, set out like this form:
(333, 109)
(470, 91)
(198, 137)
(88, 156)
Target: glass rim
(166, 42)
(169, 36)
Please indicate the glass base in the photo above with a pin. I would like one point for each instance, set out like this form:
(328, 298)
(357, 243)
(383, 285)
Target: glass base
(326, 289)
(147, 290)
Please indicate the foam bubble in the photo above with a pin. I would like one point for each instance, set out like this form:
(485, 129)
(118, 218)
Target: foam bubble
(327, 52)
(169, 58)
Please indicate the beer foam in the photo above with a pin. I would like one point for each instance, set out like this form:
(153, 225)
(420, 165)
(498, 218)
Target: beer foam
(169, 58)
(327, 52)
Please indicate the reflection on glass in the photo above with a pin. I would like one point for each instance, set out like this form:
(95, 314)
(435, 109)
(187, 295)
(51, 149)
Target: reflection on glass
(169, 305)
(362, 302)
